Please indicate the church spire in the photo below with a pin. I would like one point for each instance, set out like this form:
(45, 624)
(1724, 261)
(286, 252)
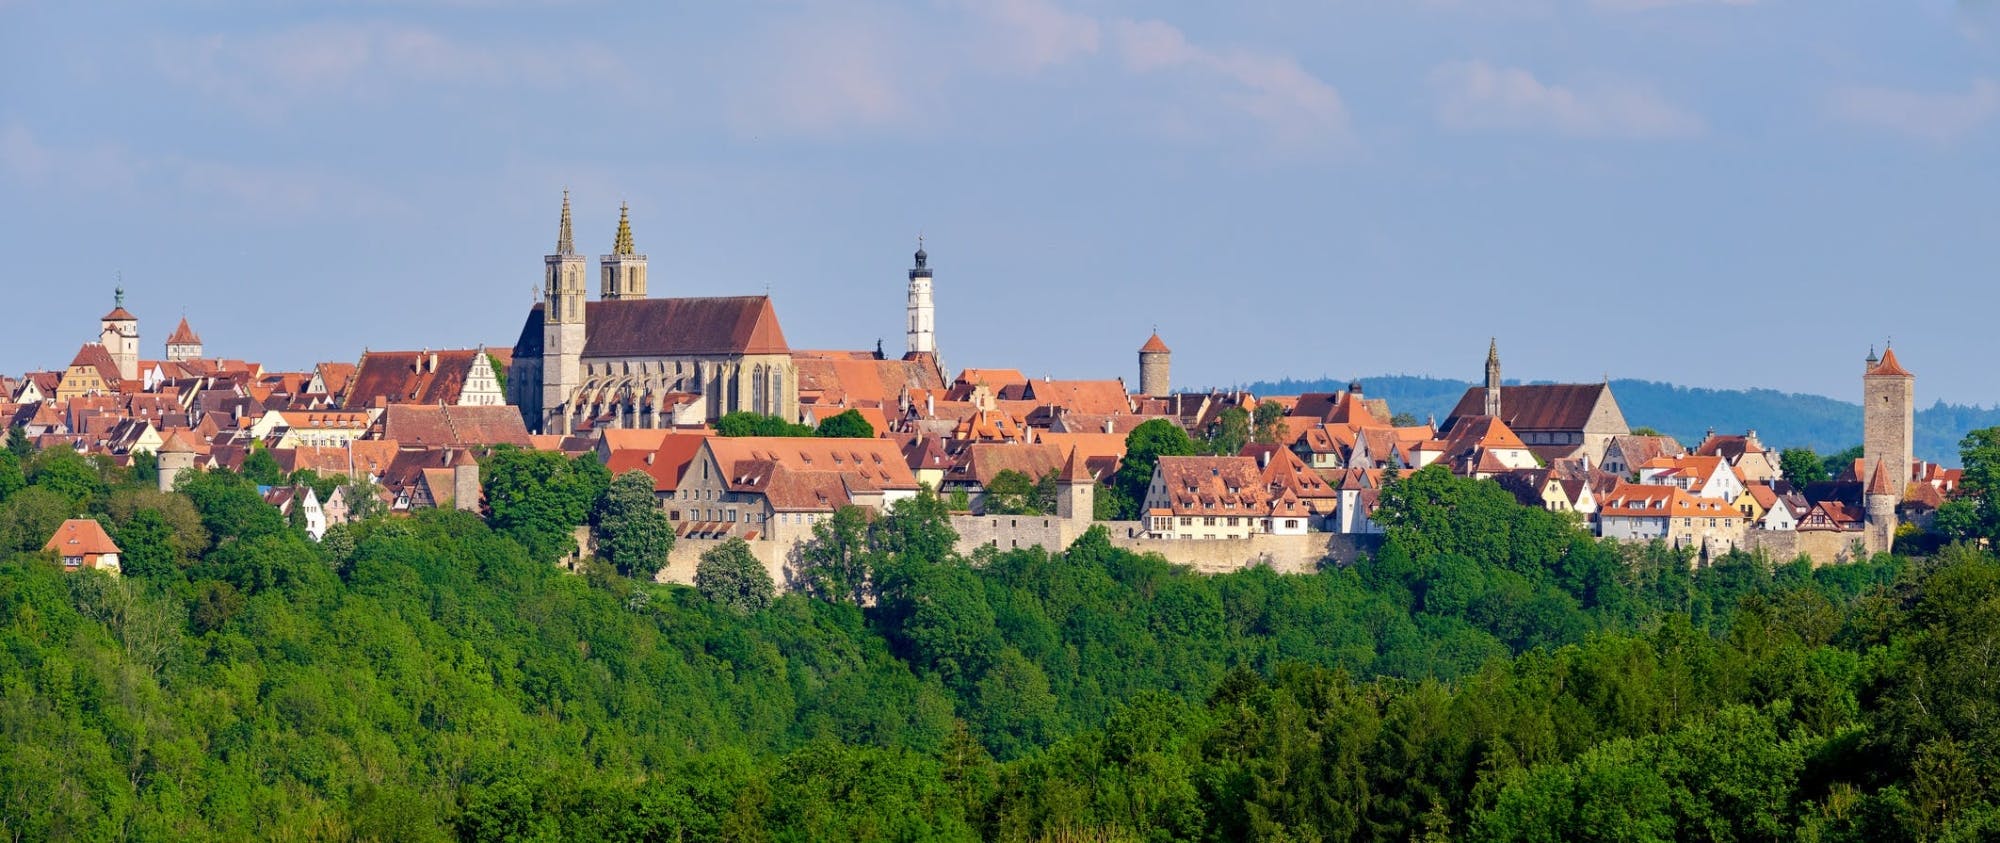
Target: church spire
(1493, 377)
(622, 245)
(565, 244)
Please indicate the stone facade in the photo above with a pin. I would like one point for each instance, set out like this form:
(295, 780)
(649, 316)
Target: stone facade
(1155, 366)
(1888, 428)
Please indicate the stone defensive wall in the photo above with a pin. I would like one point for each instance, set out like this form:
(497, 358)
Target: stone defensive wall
(1826, 547)
(1297, 554)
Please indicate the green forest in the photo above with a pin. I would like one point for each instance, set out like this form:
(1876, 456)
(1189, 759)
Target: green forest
(1492, 674)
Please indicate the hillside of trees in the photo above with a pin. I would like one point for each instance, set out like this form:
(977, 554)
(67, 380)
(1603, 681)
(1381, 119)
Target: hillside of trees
(1493, 674)
(1781, 419)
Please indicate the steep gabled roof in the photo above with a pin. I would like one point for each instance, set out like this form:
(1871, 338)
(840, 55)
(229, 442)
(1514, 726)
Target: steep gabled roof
(1542, 406)
(669, 328)
(409, 377)
(183, 335)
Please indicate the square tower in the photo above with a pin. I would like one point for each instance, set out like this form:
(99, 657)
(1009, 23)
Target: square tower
(1888, 422)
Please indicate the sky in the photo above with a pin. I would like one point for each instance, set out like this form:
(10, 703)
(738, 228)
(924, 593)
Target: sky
(1724, 193)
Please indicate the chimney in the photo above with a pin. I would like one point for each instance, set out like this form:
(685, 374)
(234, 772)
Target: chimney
(1110, 425)
(1264, 458)
(649, 459)
(930, 404)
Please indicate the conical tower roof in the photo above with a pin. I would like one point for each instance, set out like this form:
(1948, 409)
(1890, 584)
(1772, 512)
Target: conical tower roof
(565, 244)
(1154, 345)
(622, 245)
(184, 335)
(1889, 367)
(1879, 483)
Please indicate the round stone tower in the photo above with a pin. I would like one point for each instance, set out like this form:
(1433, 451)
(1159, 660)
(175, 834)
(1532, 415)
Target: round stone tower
(1155, 359)
(175, 456)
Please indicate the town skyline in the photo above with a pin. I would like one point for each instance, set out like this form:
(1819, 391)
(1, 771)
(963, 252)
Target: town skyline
(1416, 178)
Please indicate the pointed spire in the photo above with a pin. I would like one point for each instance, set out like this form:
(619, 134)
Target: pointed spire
(565, 244)
(623, 244)
(1878, 483)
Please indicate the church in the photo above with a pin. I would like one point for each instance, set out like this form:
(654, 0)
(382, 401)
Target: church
(630, 361)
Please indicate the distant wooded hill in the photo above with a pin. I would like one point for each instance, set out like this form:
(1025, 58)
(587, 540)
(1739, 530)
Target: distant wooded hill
(1781, 419)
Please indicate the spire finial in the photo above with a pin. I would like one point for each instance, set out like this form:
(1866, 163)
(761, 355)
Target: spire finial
(118, 295)
(623, 243)
(1492, 348)
(565, 244)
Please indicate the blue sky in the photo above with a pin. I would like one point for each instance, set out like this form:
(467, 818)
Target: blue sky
(1725, 193)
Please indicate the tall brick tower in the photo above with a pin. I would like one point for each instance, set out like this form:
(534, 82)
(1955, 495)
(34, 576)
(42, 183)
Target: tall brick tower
(1155, 363)
(562, 328)
(1888, 422)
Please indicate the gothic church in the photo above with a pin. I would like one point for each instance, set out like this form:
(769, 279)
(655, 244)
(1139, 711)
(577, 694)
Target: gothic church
(630, 361)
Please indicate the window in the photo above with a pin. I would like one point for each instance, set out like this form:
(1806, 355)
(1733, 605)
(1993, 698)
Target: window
(1291, 523)
(1232, 520)
(1187, 522)
(1208, 521)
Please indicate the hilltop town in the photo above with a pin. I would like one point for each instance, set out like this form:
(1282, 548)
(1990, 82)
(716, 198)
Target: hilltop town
(668, 386)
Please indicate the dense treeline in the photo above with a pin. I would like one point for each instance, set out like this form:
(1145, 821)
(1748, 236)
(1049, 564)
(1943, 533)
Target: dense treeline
(1493, 674)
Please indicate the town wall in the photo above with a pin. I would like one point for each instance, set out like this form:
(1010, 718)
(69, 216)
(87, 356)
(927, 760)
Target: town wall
(1826, 547)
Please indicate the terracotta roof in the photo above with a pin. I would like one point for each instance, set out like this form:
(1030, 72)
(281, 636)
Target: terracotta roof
(1154, 345)
(335, 375)
(1106, 397)
(183, 335)
(1645, 501)
(980, 462)
(849, 381)
(1878, 482)
(1731, 448)
(96, 356)
(665, 461)
(669, 328)
(177, 443)
(797, 474)
(1546, 406)
(1889, 367)
(1352, 410)
(1636, 450)
(421, 426)
(1214, 486)
(409, 377)
(119, 314)
(81, 537)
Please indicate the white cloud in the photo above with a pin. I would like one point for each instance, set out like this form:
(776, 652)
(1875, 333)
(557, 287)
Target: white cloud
(820, 76)
(117, 171)
(272, 73)
(1296, 106)
(1031, 35)
(1931, 116)
(1475, 95)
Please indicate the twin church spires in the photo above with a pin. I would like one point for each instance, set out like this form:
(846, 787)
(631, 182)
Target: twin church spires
(622, 273)
(622, 277)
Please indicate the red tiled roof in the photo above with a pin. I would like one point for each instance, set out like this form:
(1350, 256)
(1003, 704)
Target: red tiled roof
(420, 426)
(409, 377)
(1543, 406)
(1154, 346)
(1888, 367)
(665, 461)
(81, 537)
(669, 327)
(184, 335)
